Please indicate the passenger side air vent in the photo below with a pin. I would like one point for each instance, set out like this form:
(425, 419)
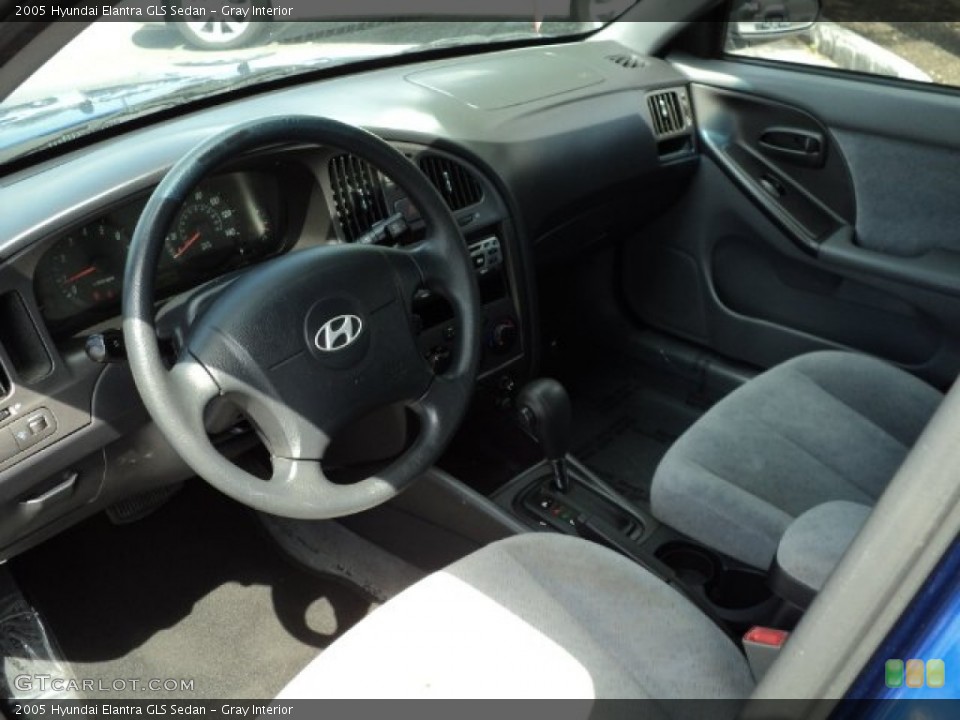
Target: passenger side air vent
(669, 112)
(357, 195)
(628, 61)
(459, 188)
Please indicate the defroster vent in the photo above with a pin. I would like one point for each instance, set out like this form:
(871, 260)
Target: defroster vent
(628, 61)
(357, 195)
(455, 183)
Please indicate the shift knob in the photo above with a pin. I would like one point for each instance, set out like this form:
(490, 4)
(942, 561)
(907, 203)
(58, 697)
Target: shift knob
(544, 408)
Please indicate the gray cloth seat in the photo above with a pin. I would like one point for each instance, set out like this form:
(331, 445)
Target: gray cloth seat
(820, 427)
(813, 546)
(539, 615)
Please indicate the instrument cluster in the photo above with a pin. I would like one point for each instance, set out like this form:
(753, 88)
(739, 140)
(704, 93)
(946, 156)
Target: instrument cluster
(227, 222)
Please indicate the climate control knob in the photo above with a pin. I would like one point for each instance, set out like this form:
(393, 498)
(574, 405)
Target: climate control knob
(503, 335)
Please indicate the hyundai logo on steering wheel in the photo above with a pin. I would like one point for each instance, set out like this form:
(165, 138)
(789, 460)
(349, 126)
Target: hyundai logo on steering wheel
(338, 332)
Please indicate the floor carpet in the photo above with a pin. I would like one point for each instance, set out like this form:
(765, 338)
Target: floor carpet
(625, 417)
(195, 591)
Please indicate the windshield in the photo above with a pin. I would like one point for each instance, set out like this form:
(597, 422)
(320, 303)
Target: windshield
(117, 69)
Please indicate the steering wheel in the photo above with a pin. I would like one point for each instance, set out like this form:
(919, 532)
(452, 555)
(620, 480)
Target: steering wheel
(309, 341)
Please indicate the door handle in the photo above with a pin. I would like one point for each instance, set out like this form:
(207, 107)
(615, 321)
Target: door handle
(58, 492)
(801, 147)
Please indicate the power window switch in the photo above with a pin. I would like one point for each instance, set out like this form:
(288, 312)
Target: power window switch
(36, 426)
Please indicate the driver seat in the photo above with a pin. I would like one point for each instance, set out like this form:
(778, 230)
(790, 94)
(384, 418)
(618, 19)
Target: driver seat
(538, 615)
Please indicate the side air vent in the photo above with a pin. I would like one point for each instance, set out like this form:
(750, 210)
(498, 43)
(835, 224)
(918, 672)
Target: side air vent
(357, 195)
(4, 382)
(628, 61)
(459, 188)
(20, 339)
(669, 112)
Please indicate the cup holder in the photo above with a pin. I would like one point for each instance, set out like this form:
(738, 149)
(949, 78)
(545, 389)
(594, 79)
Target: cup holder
(730, 590)
(738, 589)
(692, 565)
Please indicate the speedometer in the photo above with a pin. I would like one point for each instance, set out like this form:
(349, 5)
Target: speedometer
(205, 233)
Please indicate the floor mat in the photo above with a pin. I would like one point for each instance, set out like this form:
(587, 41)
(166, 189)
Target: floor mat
(196, 591)
(625, 418)
(28, 651)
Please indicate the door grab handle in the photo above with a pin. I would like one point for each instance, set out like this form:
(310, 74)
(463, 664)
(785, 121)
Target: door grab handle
(801, 147)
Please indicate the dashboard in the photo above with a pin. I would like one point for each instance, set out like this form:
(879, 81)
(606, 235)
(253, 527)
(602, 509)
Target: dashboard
(536, 151)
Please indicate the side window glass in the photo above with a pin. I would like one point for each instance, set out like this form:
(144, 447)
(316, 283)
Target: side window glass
(888, 38)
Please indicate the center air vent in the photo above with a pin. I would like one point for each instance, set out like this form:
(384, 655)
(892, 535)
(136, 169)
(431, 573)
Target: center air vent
(669, 111)
(628, 61)
(458, 187)
(357, 195)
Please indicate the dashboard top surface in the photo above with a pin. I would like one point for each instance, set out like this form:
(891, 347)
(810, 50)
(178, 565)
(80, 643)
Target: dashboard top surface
(390, 102)
(489, 84)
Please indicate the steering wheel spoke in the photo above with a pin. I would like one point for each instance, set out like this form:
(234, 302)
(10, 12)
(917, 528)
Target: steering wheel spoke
(192, 389)
(302, 484)
(434, 260)
(285, 431)
(443, 396)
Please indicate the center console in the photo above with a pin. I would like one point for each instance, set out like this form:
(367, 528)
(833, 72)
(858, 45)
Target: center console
(362, 197)
(501, 341)
(589, 508)
(560, 494)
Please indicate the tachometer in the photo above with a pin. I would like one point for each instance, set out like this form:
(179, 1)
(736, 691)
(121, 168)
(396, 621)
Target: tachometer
(205, 233)
(86, 267)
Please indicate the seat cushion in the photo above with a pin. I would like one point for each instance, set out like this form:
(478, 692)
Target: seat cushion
(821, 427)
(534, 616)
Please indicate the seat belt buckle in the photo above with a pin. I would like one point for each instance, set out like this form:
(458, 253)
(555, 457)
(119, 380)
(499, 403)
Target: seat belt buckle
(762, 645)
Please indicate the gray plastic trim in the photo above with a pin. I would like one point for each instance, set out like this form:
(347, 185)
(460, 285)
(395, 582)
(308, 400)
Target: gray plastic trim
(937, 270)
(445, 501)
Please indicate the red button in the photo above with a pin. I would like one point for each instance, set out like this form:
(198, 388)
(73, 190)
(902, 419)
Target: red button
(766, 636)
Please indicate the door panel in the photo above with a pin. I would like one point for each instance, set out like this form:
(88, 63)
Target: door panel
(823, 215)
(761, 136)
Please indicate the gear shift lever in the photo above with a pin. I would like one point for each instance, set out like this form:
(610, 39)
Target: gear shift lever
(544, 408)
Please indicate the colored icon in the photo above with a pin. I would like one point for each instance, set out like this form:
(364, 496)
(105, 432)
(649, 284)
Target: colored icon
(893, 671)
(936, 673)
(914, 673)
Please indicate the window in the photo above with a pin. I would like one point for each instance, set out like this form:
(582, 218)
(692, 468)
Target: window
(906, 44)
